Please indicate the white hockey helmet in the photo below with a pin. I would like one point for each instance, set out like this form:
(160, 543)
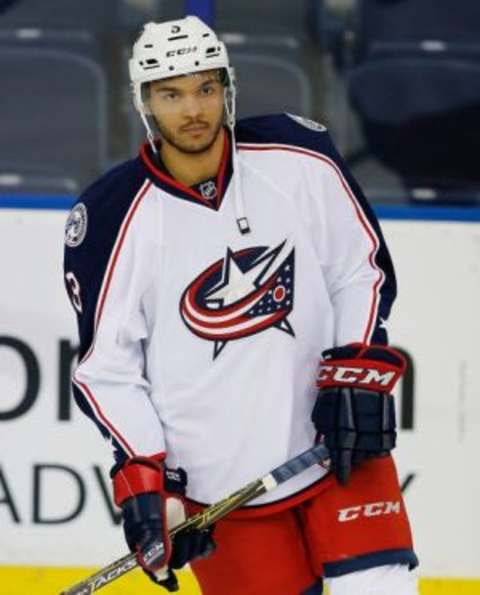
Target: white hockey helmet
(175, 48)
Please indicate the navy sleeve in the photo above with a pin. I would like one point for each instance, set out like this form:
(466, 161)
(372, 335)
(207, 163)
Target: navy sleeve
(93, 227)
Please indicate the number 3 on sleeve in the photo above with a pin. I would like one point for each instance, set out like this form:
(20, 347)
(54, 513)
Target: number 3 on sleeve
(74, 291)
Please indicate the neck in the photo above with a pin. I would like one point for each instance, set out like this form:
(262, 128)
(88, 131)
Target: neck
(192, 168)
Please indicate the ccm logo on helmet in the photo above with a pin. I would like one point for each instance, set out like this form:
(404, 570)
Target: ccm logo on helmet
(182, 51)
(368, 510)
(352, 375)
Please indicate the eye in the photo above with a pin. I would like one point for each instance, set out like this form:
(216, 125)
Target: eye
(168, 95)
(208, 89)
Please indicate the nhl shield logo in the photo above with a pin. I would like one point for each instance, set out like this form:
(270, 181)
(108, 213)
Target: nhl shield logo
(247, 292)
(208, 190)
(76, 226)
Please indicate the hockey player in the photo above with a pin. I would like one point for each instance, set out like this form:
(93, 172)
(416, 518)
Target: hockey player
(231, 285)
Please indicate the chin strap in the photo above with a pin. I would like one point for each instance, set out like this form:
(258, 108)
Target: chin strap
(149, 129)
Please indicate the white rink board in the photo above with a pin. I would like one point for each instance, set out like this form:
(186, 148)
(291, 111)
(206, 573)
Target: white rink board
(436, 320)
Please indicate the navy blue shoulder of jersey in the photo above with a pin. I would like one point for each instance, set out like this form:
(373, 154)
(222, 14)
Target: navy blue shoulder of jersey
(283, 129)
(300, 133)
(106, 203)
(100, 212)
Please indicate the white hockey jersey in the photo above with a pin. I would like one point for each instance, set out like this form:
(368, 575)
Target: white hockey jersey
(203, 342)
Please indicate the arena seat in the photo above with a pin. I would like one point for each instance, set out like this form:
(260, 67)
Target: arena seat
(274, 17)
(107, 16)
(276, 63)
(53, 117)
(386, 26)
(415, 87)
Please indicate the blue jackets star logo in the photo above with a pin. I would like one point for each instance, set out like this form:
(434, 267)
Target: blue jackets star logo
(247, 292)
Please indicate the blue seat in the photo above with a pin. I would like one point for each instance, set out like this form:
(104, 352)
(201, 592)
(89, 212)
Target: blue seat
(274, 17)
(266, 42)
(389, 26)
(277, 61)
(415, 88)
(53, 116)
(100, 16)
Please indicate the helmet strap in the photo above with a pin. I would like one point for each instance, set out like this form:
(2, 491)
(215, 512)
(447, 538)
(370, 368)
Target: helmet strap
(229, 100)
(150, 132)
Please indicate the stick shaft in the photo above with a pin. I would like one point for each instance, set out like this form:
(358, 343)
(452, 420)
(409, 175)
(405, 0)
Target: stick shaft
(210, 515)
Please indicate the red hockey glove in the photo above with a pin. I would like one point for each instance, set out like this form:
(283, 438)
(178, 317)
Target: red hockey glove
(151, 500)
(354, 413)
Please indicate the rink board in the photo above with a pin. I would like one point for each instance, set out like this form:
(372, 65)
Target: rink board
(51, 581)
(58, 511)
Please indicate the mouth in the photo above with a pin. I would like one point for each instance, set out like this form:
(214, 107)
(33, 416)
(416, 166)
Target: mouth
(195, 129)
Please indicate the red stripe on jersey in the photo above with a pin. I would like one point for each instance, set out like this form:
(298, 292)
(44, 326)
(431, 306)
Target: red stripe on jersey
(358, 211)
(247, 331)
(241, 306)
(87, 393)
(220, 178)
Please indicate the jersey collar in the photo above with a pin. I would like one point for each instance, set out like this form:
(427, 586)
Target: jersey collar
(161, 178)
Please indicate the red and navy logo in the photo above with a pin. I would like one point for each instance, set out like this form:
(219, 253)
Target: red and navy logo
(247, 292)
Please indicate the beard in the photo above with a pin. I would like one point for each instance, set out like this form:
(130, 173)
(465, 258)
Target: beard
(190, 147)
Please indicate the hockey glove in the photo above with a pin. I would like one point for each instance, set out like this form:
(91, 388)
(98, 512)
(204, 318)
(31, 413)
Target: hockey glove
(150, 497)
(354, 413)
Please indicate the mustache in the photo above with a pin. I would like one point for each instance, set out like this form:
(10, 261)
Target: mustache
(194, 124)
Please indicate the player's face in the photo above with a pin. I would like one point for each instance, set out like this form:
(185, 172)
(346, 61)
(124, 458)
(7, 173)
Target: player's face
(188, 110)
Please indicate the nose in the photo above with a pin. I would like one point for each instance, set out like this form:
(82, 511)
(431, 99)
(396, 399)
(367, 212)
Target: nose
(192, 107)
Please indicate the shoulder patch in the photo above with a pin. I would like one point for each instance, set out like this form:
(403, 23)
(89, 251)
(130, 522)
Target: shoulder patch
(76, 226)
(310, 124)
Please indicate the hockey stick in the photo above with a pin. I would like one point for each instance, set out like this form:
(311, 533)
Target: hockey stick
(202, 520)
